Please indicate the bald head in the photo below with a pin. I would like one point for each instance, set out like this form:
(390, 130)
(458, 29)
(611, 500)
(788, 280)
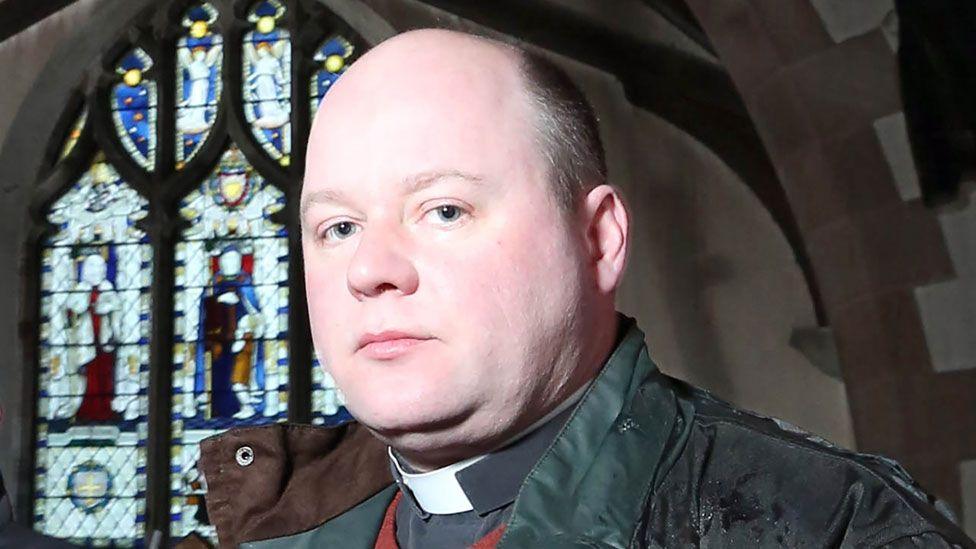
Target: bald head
(430, 62)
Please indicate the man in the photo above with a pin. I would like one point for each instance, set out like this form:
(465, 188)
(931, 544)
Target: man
(462, 251)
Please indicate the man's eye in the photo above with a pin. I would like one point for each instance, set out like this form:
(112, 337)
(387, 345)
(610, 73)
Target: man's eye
(340, 231)
(445, 214)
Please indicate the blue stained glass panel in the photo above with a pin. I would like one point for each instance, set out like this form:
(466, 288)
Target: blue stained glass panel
(94, 364)
(333, 56)
(230, 360)
(134, 108)
(198, 82)
(267, 80)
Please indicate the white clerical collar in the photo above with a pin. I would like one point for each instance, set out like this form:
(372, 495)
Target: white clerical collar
(438, 492)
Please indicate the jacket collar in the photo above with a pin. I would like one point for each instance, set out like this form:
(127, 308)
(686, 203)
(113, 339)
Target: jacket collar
(590, 488)
(277, 480)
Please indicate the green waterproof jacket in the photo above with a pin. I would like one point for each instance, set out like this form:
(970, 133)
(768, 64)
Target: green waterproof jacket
(644, 461)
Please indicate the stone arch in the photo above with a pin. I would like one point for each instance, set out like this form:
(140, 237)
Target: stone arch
(821, 85)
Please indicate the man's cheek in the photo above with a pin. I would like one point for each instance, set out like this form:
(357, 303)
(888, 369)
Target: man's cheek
(468, 287)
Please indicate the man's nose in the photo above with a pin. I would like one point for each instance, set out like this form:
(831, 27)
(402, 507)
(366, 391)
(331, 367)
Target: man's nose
(381, 264)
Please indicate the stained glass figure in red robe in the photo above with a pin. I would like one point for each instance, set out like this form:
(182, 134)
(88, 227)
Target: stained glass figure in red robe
(93, 322)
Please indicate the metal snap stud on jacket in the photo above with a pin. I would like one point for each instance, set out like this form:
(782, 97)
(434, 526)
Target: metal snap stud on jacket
(245, 456)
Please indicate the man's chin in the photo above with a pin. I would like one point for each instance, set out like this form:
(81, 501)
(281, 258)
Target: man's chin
(398, 424)
(416, 430)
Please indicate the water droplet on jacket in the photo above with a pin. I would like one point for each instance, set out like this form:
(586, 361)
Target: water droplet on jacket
(626, 425)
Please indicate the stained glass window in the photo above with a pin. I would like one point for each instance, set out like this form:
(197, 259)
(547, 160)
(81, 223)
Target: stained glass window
(94, 357)
(134, 108)
(267, 80)
(198, 82)
(328, 404)
(331, 58)
(218, 346)
(230, 361)
(74, 133)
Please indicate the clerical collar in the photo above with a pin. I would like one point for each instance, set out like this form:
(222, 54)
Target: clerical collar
(486, 482)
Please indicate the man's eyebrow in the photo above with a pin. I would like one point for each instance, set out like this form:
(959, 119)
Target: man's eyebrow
(421, 181)
(411, 185)
(318, 197)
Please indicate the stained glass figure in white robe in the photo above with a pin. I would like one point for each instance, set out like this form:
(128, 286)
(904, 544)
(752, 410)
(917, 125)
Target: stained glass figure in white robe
(267, 80)
(198, 82)
(199, 66)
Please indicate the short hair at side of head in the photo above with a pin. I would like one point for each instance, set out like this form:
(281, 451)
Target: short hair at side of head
(568, 133)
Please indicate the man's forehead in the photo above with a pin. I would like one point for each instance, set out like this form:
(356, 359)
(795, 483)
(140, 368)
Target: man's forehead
(408, 185)
(426, 52)
(432, 68)
(421, 107)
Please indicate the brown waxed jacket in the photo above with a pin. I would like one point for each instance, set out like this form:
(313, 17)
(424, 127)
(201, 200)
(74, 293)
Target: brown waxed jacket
(300, 476)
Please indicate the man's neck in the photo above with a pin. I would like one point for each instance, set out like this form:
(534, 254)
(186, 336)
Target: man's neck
(440, 492)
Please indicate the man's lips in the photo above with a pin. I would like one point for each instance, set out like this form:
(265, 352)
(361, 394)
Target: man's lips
(388, 344)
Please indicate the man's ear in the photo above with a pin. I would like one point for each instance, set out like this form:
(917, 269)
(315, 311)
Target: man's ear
(607, 223)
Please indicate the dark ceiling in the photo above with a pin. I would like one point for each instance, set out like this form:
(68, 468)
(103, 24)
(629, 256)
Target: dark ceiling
(17, 15)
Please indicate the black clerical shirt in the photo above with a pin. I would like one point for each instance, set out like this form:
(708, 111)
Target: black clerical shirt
(490, 484)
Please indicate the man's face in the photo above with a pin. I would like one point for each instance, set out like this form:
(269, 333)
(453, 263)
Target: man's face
(443, 281)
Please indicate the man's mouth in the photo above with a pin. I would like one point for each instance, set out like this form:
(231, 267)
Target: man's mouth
(389, 344)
